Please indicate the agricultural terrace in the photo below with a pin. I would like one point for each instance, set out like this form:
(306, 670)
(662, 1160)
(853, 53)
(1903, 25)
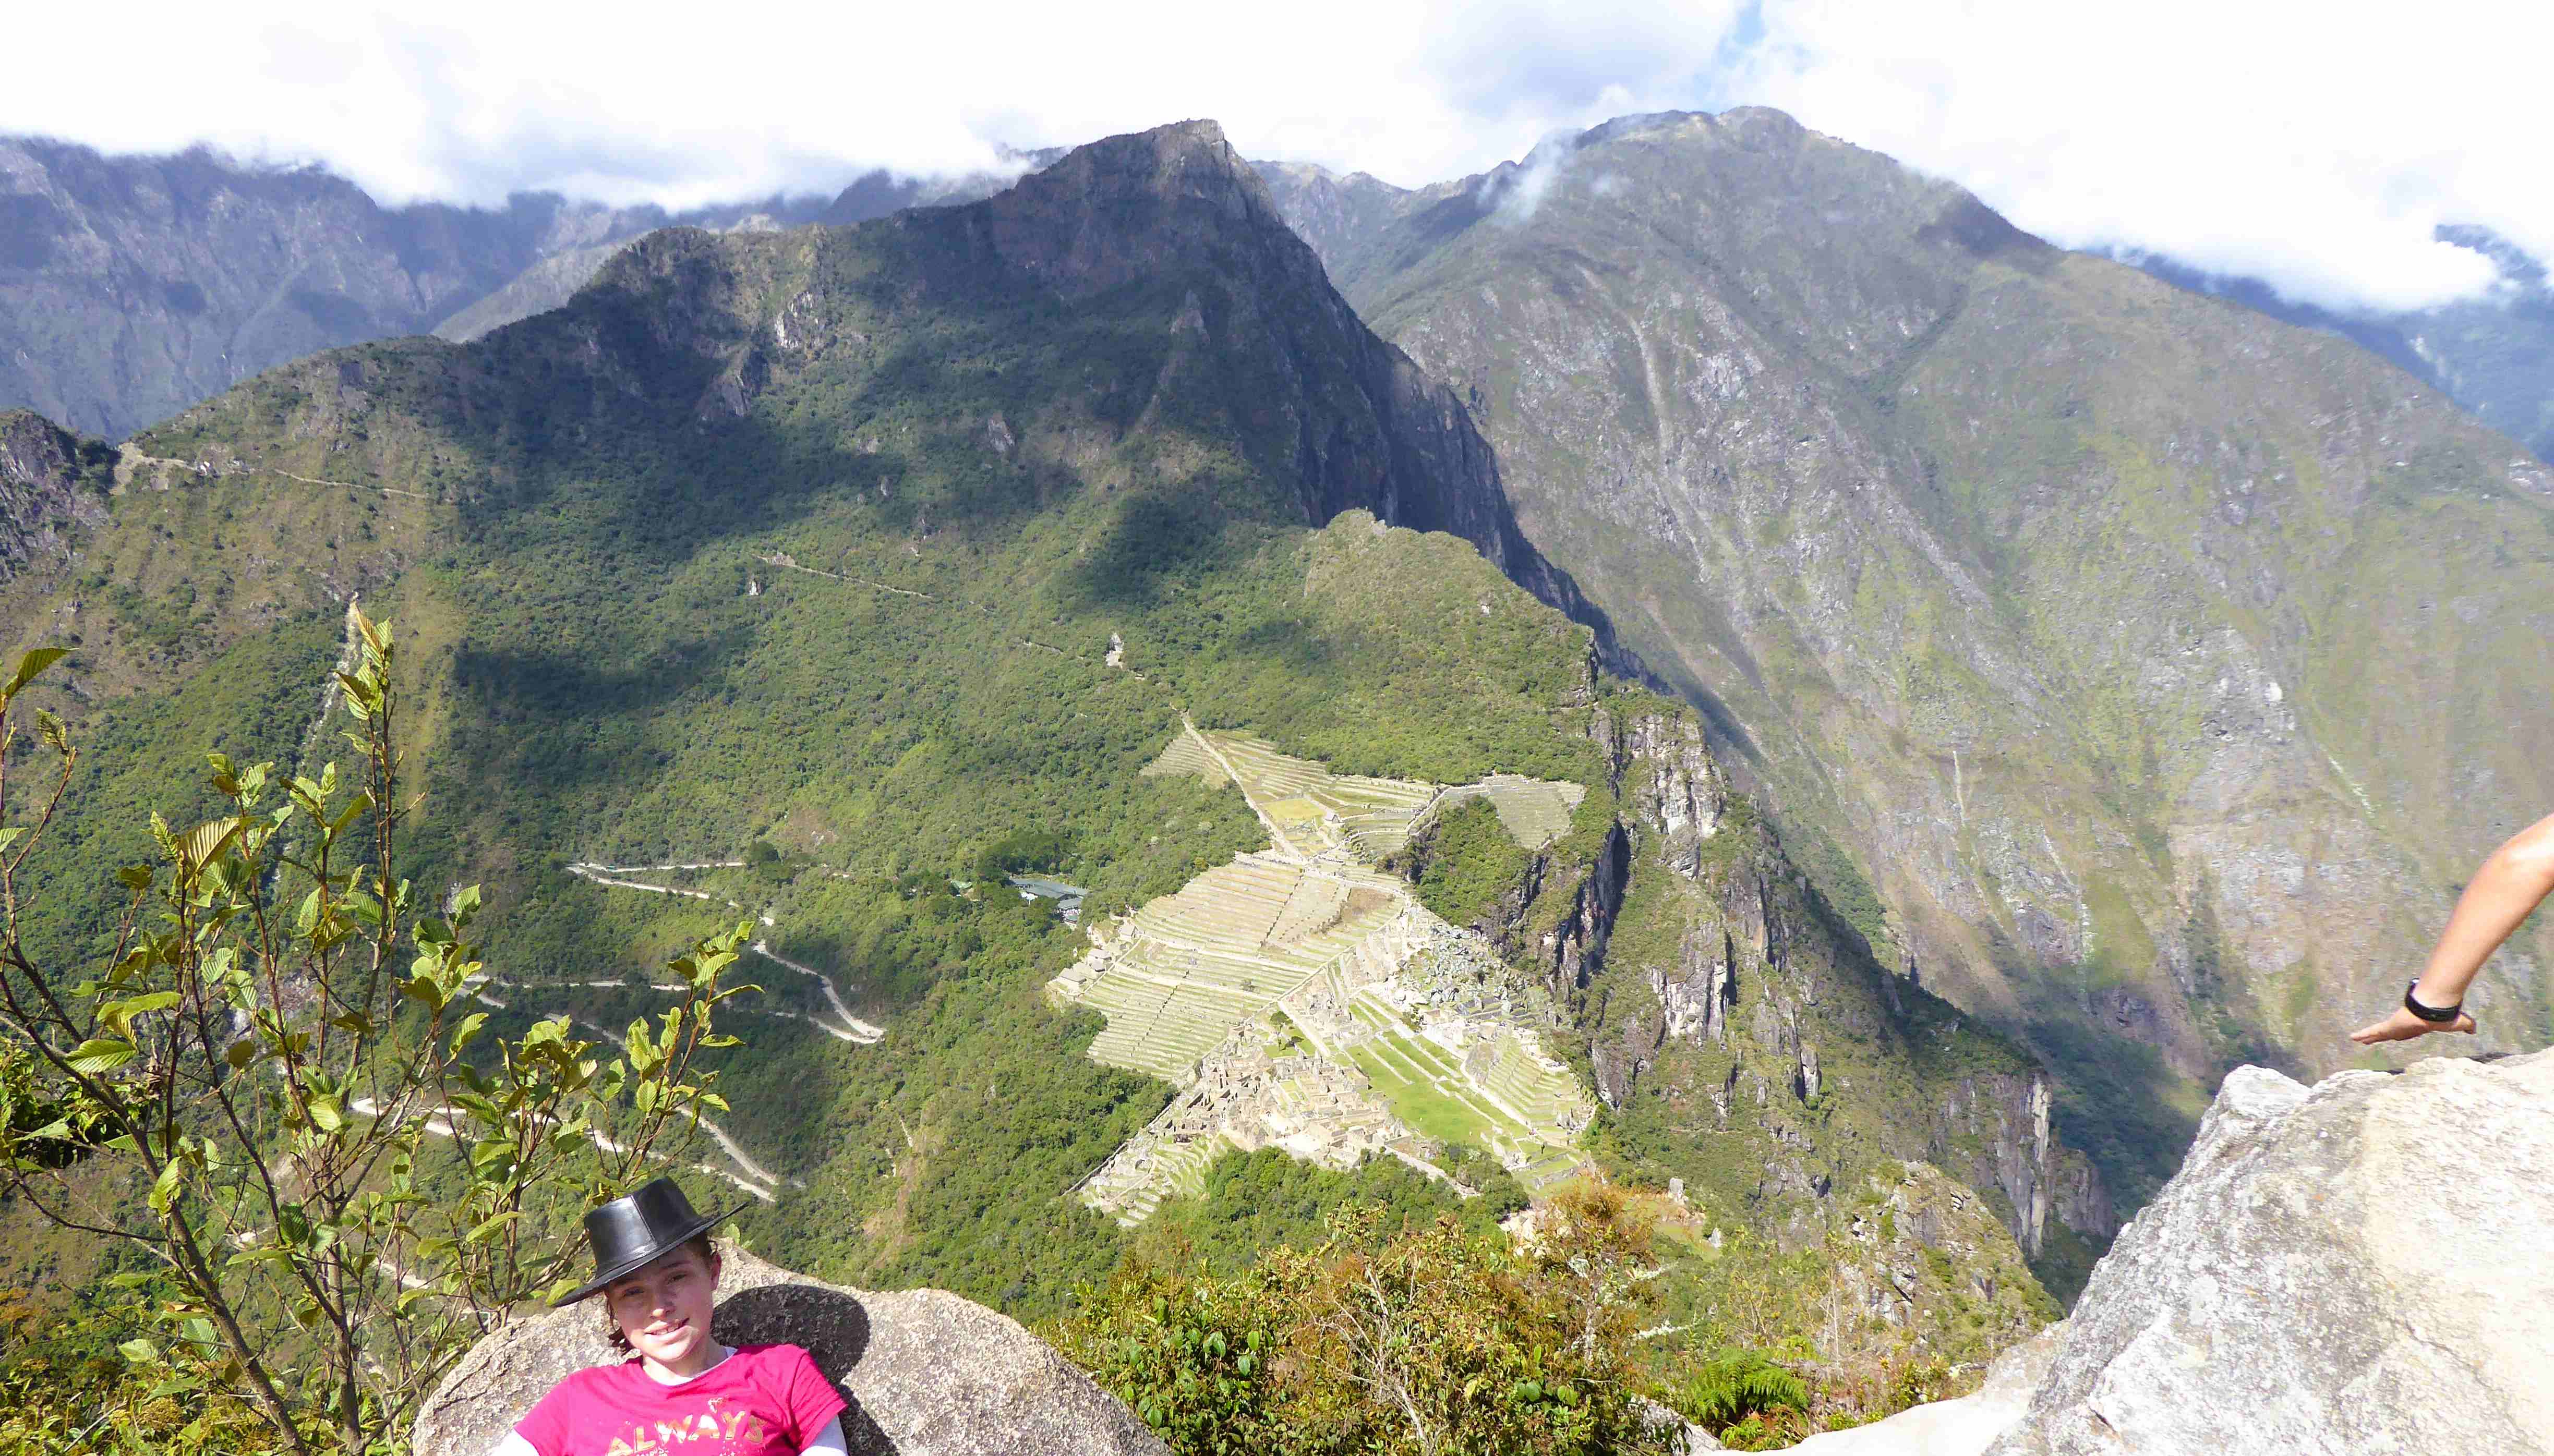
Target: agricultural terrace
(1310, 923)
(1535, 812)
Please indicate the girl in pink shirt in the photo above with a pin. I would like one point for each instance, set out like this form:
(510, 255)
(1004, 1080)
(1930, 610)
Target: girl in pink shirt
(682, 1393)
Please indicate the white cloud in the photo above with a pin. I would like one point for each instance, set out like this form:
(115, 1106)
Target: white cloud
(2312, 145)
(468, 99)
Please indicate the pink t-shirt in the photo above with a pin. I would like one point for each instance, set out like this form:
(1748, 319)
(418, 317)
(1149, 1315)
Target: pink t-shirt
(761, 1400)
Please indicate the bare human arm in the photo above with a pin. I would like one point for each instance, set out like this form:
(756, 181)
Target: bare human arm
(2506, 890)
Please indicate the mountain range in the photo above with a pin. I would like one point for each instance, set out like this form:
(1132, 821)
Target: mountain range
(2004, 688)
(133, 287)
(194, 271)
(2137, 669)
(815, 577)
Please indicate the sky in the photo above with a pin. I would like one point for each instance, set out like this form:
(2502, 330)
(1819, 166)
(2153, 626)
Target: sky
(2313, 145)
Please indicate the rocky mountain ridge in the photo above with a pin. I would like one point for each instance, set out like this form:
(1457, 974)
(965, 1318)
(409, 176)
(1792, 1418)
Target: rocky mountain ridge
(2138, 671)
(134, 286)
(2492, 354)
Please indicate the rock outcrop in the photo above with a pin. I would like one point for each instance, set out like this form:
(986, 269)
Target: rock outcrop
(2365, 1266)
(927, 1373)
(50, 482)
(1762, 1009)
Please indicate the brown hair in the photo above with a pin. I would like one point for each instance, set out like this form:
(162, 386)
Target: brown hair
(697, 1244)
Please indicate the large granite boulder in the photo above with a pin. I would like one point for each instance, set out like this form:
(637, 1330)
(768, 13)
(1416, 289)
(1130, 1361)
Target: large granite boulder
(2364, 1267)
(927, 1373)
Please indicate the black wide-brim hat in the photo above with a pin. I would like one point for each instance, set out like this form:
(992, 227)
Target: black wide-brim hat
(630, 1233)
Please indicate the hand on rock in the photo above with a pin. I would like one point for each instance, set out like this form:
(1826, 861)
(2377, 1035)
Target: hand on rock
(2403, 1026)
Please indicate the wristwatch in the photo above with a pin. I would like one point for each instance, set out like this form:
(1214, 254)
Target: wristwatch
(2435, 1014)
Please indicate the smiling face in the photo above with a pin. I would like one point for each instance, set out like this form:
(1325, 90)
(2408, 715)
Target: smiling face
(664, 1310)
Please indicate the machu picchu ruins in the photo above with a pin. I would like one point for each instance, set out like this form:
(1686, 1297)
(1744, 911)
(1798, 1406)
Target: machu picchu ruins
(1301, 998)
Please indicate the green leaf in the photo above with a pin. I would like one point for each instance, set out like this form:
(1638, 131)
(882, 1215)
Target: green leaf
(325, 1114)
(424, 989)
(10, 835)
(164, 1191)
(480, 1234)
(100, 1054)
(206, 842)
(354, 806)
(30, 665)
(468, 1031)
(139, 1352)
(119, 1014)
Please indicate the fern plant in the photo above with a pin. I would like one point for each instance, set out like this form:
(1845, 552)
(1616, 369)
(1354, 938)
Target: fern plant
(1729, 1387)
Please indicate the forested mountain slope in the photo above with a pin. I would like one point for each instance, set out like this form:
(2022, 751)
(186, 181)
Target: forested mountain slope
(2141, 672)
(821, 577)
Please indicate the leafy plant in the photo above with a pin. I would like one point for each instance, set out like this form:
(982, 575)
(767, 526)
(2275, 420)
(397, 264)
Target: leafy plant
(1429, 1339)
(1728, 1387)
(338, 1175)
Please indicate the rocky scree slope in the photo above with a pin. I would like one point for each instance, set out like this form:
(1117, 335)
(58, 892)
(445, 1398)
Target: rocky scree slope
(2139, 671)
(987, 440)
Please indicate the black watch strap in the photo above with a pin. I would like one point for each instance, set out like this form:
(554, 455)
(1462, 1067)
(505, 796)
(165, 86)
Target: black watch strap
(2435, 1014)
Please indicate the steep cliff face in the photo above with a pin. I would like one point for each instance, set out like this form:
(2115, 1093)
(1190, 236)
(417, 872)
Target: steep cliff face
(51, 484)
(1747, 1041)
(1335, 406)
(1740, 1033)
(2135, 670)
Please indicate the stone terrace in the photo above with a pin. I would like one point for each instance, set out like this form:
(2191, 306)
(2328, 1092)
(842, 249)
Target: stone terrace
(1411, 1032)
